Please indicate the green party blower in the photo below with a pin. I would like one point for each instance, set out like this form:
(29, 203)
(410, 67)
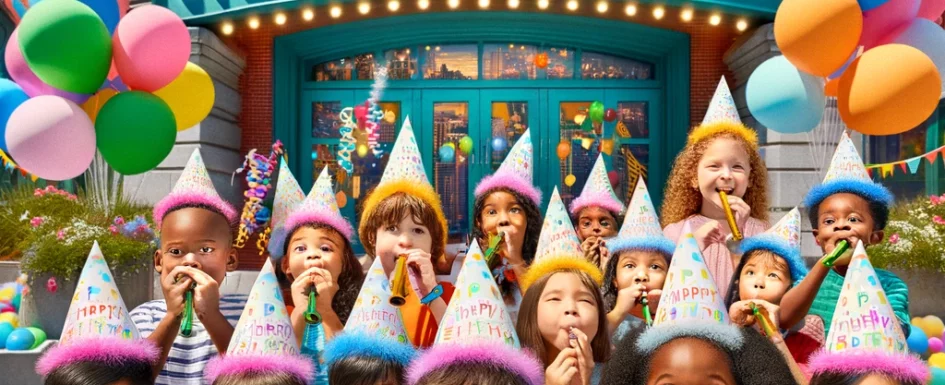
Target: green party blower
(646, 310)
(187, 324)
(496, 241)
(311, 315)
(766, 325)
(837, 252)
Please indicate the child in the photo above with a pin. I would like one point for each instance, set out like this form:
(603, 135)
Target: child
(476, 343)
(108, 354)
(562, 315)
(403, 217)
(195, 254)
(318, 256)
(509, 203)
(263, 350)
(373, 349)
(597, 213)
(847, 206)
(721, 155)
(641, 256)
(865, 345)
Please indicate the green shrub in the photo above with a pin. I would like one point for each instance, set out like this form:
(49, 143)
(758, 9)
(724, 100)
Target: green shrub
(915, 236)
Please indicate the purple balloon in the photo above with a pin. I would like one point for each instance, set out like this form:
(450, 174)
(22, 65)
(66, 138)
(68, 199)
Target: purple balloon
(27, 80)
(935, 345)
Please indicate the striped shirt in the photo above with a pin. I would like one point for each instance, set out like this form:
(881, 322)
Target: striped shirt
(188, 355)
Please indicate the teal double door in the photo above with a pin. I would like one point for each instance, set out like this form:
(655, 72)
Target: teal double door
(494, 118)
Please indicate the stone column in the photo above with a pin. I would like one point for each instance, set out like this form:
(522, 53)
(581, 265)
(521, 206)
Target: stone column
(217, 136)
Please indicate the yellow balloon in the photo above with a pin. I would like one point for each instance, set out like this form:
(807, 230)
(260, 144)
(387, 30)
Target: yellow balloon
(190, 96)
(10, 318)
(933, 326)
(937, 360)
(95, 103)
(570, 179)
(362, 150)
(389, 117)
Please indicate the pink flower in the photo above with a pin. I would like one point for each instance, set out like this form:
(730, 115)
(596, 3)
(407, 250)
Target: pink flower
(36, 221)
(935, 199)
(61, 234)
(119, 220)
(894, 239)
(51, 285)
(113, 229)
(938, 220)
(38, 193)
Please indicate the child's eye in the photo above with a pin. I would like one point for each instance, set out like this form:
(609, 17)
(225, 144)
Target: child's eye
(749, 273)
(299, 249)
(774, 275)
(605, 223)
(326, 249)
(739, 167)
(419, 231)
(656, 267)
(491, 212)
(828, 221)
(553, 299)
(174, 251)
(855, 219)
(585, 300)
(586, 224)
(206, 249)
(629, 266)
(515, 210)
(391, 228)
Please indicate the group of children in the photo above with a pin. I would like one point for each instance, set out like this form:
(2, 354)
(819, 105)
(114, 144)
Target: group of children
(597, 293)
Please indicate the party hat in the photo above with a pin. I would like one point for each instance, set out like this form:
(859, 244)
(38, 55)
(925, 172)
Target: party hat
(722, 118)
(287, 197)
(98, 327)
(476, 328)
(194, 189)
(404, 174)
(319, 207)
(641, 227)
(784, 240)
(847, 174)
(375, 327)
(559, 247)
(263, 340)
(865, 335)
(689, 293)
(515, 173)
(598, 191)
(722, 107)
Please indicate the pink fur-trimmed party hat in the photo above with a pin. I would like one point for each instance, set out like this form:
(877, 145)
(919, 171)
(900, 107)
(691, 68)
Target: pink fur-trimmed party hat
(598, 191)
(318, 208)
(194, 189)
(690, 294)
(113, 340)
(515, 173)
(288, 196)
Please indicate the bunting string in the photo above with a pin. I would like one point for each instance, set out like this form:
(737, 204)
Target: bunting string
(910, 165)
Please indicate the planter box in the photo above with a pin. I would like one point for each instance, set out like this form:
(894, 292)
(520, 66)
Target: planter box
(925, 287)
(9, 270)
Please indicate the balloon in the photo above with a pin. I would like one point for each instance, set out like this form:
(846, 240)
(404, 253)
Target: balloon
(866, 5)
(21, 73)
(570, 180)
(937, 376)
(918, 342)
(499, 144)
(614, 178)
(818, 36)
(931, 9)
(466, 145)
(937, 360)
(447, 154)
(784, 99)
(6, 294)
(880, 21)
(136, 131)
(389, 117)
(11, 97)
(39, 336)
(190, 96)
(20, 339)
(830, 89)
(564, 149)
(933, 326)
(108, 10)
(839, 71)
(888, 90)
(541, 60)
(10, 318)
(5, 330)
(610, 115)
(95, 103)
(66, 45)
(935, 344)
(362, 150)
(51, 137)
(341, 199)
(596, 112)
(924, 35)
(151, 47)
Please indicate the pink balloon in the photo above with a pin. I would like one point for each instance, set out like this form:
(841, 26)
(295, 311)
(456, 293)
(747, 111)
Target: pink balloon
(27, 80)
(151, 46)
(880, 21)
(51, 138)
(932, 9)
(935, 344)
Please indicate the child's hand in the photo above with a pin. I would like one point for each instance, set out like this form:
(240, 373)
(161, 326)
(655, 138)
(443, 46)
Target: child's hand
(627, 298)
(585, 356)
(322, 280)
(564, 369)
(604, 255)
(174, 290)
(742, 314)
(420, 264)
(591, 247)
(206, 293)
(513, 237)
(709, 233)
(740, 209)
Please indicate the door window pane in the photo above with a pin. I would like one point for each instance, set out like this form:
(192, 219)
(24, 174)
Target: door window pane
(508, 61)
(909, 144)
(509, 121)
(584, 149)
(600, 66)
(325, 121)
(450, 124)
(560, 63)
(451, 62)
(401, 64)
(632, 120)
(630, 162)
(360, 67)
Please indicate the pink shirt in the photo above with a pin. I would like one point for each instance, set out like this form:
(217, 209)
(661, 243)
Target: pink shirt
(716, 255)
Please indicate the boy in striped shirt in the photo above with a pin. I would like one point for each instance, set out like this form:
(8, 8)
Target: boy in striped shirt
(195, 253)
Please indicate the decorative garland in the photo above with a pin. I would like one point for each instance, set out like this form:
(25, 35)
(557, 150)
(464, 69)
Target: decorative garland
(910, 165)
(258, 182)
(10, 165)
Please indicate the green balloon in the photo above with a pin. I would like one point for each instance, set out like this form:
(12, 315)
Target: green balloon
(466, 145)
(596, 112)
(135, 131)
(66, 45)
(39, 336)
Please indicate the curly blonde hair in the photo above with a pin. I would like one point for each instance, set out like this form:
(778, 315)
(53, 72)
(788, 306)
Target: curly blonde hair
(681, 200)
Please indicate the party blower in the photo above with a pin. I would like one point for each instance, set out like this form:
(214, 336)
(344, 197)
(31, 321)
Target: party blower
(398, 286)
(312, 316)
(734, 241)
(187, 321)
(496, 242)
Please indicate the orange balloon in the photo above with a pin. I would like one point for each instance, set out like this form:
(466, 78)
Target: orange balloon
(830, 89)
(564, 149)
(818, 36)
(95, 103)
(888, 90)
(541, 60)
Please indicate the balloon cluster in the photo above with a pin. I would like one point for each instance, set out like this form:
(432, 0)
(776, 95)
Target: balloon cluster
(447, 151)
(88, 77)
(258, 181)
(882, 59)
(15, 334)
(926, 339)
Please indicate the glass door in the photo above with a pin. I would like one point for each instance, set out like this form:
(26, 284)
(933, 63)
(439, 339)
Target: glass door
(567, 112)
(504, 117)
(638, 136)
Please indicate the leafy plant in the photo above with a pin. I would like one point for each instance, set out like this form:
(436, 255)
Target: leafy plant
(915, 236)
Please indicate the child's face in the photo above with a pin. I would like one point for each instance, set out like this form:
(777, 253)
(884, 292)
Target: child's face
(198, 238)
(564, 304)
(845, 216)
(308, 248)
(597, 222)
(725, 165)
(640, 267)
(501, 209)
(394, 239)
(689, 361)
(765, 276)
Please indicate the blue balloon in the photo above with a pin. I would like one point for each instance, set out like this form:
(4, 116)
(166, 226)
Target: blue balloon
(499, 144)
(938, 376)
(447, 154)
(918, 342)
(866, 5)
(11, 96)
(5, 330)
(20, 339)
(783, 98)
